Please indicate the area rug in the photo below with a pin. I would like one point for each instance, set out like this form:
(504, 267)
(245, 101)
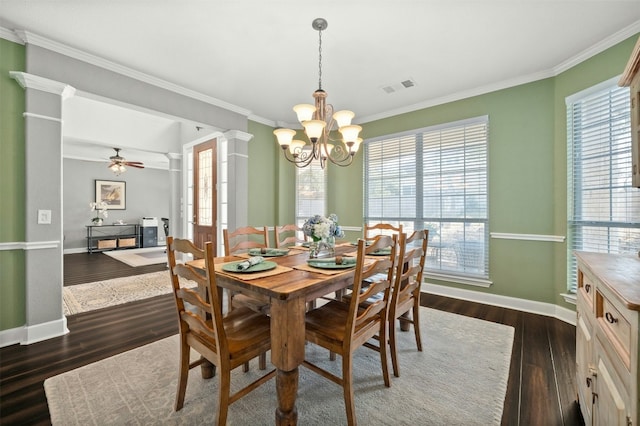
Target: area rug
(102, 294)
(460, 378)
(139, 257)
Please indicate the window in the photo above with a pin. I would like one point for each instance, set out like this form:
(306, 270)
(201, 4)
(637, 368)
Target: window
(434, 178)
(310, 192)
(603, 208)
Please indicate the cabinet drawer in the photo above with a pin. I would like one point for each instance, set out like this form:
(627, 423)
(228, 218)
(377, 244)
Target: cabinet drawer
(615, 326)
(586, 288)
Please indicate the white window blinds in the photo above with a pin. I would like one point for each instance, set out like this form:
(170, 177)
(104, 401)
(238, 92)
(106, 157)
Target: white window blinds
(435, 178)
(603, 208)
(310, 192)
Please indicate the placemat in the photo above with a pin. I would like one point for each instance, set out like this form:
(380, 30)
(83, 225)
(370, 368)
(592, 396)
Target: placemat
(254, 275)
(305, 267)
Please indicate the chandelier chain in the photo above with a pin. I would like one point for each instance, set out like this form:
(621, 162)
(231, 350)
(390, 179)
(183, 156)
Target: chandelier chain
(320, 59)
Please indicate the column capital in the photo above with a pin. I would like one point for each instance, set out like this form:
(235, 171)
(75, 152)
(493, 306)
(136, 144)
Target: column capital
(30, 81)
(238, 135)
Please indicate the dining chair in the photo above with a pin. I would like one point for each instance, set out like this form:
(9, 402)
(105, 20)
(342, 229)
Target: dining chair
(245, 238)
(226, 341)
(288, 235)
(342, 328)
(238, 241)
(405, 294)
(371, 231)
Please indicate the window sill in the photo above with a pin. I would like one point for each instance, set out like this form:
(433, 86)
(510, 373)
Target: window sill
(569, 297)
(459, 279)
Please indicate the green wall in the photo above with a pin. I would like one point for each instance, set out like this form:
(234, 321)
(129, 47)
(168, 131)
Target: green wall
(12, 187)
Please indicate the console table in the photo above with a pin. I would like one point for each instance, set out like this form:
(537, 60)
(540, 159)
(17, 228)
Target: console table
(112, 237)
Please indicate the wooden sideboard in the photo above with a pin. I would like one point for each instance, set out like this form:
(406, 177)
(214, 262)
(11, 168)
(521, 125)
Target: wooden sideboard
(607, 367)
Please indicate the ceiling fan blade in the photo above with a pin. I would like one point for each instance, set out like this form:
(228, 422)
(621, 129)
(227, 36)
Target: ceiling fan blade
(136, 164)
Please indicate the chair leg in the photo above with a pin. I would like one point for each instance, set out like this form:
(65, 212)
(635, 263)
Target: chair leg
(183, 374)
(245, 367)
(224, 388)
(332, 356)
(383, 353)
(262, 361)
(347, 386)
(393, 346)
(416, 323)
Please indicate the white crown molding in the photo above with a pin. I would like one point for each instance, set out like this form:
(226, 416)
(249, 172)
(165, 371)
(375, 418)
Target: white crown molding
(553, 72)
(261, 120)
(10, 35)
(505, 84)
(37, 40)
(528, 237)
(599, 47)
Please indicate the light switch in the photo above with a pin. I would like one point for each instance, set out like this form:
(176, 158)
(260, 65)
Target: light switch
(44, 217)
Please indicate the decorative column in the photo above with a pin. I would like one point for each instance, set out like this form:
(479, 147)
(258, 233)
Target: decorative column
(238, 177)
(175, 199)
(43, 203)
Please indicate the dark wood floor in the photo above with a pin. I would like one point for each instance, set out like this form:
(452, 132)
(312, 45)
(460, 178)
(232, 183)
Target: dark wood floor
(540, 390)
(82, 268)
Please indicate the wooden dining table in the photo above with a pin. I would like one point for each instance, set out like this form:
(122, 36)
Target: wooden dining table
(288, 291)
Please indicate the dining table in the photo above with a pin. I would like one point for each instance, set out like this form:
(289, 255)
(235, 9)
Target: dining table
(288, 287)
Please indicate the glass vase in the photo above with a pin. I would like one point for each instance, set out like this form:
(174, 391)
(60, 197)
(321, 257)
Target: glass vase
(325, 247)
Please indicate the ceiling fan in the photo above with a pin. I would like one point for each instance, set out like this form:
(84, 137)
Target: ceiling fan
(118, 163)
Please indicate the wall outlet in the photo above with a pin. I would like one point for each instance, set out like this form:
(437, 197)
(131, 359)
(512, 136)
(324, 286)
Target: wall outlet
(44, 217)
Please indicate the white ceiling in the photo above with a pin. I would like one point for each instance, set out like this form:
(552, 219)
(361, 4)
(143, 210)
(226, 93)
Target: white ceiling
(263, 56)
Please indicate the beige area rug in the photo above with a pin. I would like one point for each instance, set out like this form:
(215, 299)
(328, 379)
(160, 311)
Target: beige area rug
(102, 294)
(459, 379)
(139, 257)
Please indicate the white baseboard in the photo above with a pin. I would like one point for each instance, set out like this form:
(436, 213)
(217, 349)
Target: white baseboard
(26, 335)
(539, 308)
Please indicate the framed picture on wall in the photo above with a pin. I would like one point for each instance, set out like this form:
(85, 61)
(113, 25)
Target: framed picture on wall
(112, 192)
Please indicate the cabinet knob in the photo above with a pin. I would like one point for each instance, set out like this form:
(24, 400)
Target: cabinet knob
(588, 382)
(587, 288)
(610, 318)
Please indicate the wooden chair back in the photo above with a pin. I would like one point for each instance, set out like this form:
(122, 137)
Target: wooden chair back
(406, 289)
(288, 235)
(245, 238)
(377, 307)
(371, 231)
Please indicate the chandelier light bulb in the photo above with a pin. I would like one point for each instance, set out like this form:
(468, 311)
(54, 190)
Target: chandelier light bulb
(350, 133)
(285, 136)
(304, 112)
(314, 129)
(343, 118)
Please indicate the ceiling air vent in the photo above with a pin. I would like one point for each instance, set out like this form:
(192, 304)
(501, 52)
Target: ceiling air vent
(405, 84)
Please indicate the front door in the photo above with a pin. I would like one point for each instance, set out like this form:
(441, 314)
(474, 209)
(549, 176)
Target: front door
(204, 194)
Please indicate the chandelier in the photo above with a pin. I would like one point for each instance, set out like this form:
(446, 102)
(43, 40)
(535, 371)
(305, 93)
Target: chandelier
(319, 121)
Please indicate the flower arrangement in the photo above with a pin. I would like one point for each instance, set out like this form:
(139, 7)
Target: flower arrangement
(100, 209)
(320, 227)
